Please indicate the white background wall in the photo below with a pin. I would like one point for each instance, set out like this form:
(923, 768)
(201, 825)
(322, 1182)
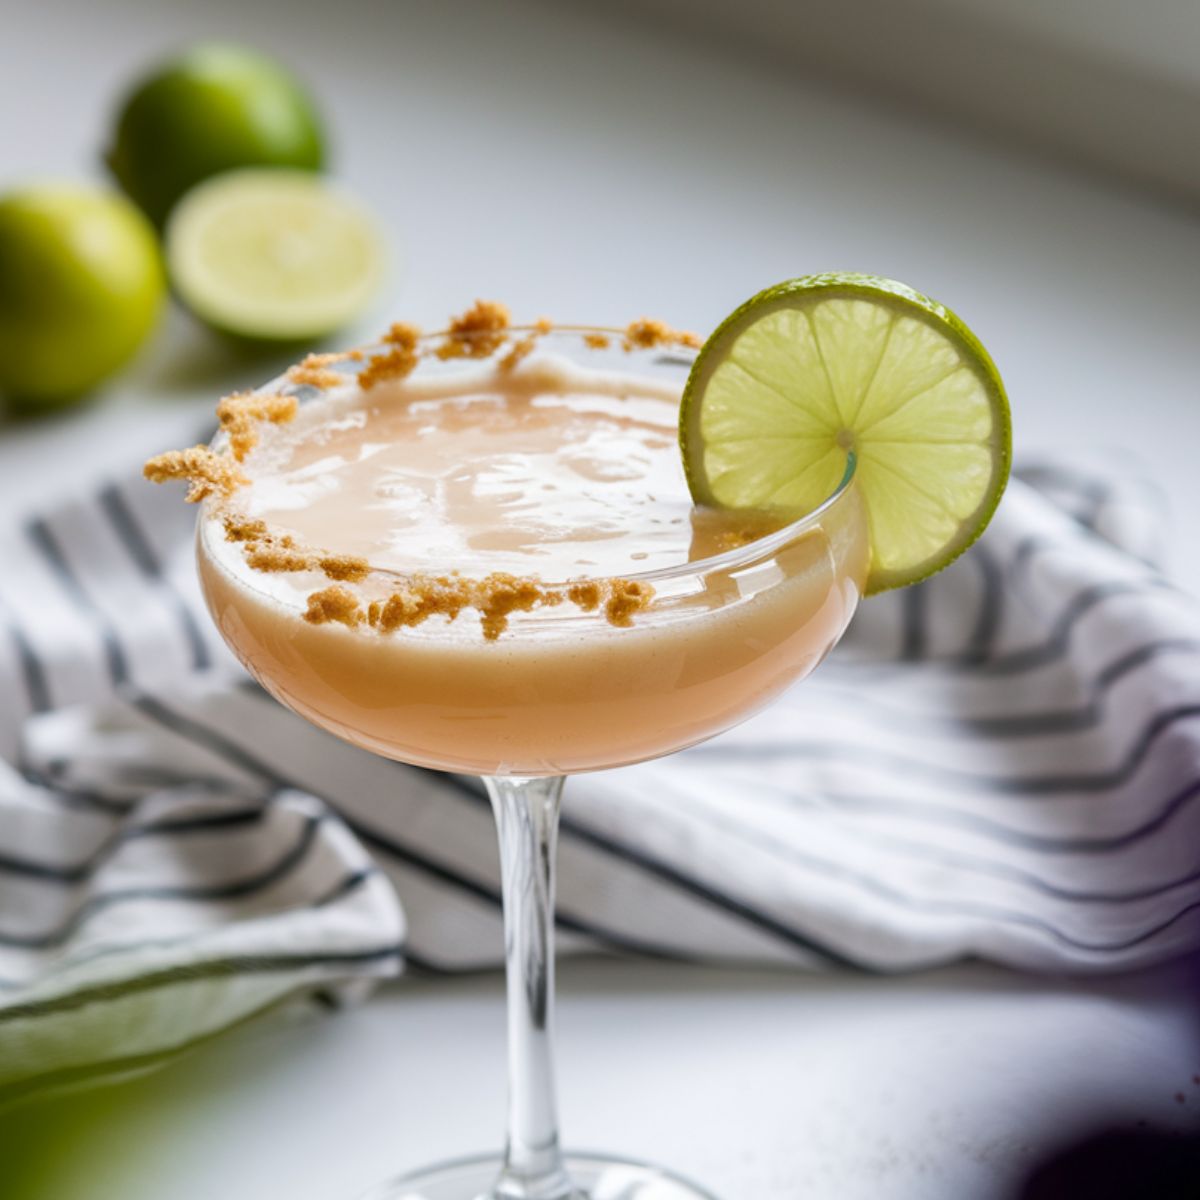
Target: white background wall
(1110, 84)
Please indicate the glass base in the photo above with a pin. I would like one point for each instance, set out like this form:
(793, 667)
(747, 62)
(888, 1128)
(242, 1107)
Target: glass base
(596, 1177)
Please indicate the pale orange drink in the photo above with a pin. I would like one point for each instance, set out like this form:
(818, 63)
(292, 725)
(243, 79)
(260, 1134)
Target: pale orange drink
(652, 624)
(488, 552)
(478, 552)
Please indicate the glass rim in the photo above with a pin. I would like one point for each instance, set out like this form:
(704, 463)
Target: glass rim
(726, 560)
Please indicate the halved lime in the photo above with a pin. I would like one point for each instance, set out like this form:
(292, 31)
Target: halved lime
(273, 254)
(805, 372)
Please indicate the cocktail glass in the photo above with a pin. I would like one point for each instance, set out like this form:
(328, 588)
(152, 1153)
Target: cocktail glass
(560, 692)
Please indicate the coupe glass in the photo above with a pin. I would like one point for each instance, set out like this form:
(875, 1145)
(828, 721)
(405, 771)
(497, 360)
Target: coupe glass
(561, 692)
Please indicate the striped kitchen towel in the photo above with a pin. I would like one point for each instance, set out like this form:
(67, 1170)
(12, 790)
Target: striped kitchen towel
(1002, 763)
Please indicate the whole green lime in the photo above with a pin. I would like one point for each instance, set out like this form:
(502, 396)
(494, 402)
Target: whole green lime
(214, 108)
(81, 287)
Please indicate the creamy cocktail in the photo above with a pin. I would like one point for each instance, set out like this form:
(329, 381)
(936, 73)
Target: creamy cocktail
(525, 553)
(563, 477)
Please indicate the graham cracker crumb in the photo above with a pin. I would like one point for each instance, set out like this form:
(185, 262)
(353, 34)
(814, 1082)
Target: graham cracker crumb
(263, 557)
(502, 594)
(313, 371)
(240, 413)
(519, 350)
(586, 595)
(334, 604)
(265, 550)
(398, 609)
(347, 568)
(397, 362)
(242, 529)
(206, 471)
(424, 598)
(647, 333)
(477, 333)
(496, 597)
(401, 333)
(626, 597)
(391, 364)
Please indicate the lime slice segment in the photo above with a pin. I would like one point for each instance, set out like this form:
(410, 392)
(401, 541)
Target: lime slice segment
(805, 372)
(272, 254)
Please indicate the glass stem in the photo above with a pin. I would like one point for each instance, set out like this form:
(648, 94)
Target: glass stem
(527, 818)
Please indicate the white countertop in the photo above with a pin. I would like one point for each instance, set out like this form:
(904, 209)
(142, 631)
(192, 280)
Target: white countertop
(761, 1085)
(575, 166)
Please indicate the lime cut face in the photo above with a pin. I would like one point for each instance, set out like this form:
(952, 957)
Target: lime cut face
(810, 370)
(274, 255)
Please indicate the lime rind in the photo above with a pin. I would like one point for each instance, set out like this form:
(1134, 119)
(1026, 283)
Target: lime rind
(803, 371)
